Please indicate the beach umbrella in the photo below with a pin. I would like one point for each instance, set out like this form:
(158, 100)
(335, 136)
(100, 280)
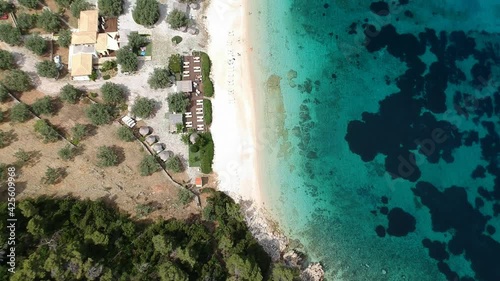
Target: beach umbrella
(164, 156)
(151, 139)
(157, 147)
(193, 138)
(144, 130)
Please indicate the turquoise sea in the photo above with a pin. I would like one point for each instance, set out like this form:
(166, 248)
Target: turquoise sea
(379, 130)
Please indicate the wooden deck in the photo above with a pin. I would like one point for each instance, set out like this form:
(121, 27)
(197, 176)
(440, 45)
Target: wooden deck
(194, 68)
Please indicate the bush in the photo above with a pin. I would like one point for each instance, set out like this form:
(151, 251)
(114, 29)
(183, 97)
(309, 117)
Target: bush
(100, 114)
(64, 3)
(106, 156)
(17, 81)
(127, 59)
(52, 175)
(177, 102)
(174, 163)
(10, 35)
(20, 113)
(177, 19)
(47, 69)
(175, 63)
(148, 166)
(6, 60)
(125, 134)
(112, 93)
(136, 41)
(23, 156)
(208, 86)
(206, 65)
(108, 65)
(64, 39)
(70, 94)
(184, 196)
(67, 152)
(43, 106)
(1, 116)
(6, 138)
(36, 44)
(49, 21)
(143, 107)
(48, 133)
(32, 4)
(106, 77)
(6, 7)
(110, 8)
(159, 79)
(79, 132)
(207, 111)
(146, 12)
(207, 153)
(26, 22)
(77, 6)
(4, 94)
(194, 148)
(176, 40)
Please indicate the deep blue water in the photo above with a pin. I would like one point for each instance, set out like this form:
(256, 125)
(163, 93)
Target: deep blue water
(382, 123)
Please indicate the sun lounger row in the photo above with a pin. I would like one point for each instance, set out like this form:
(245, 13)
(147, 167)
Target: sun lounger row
(185, 75)
(185, 72)
(128, 121)
(200, 127)
(197, 70)
(186, 63)
(199, 101)
(187, 114)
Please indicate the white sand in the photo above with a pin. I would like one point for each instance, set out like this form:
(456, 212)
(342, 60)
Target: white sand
(234, 120)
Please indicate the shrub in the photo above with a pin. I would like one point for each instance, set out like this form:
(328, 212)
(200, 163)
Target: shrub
(47, 69)
(175, 63)
(136, 41)
(207, 153)
(125, 134)
(23, 156)
(127, 59)
(106, 156)
(77, 6)
(70, 94)
(1, 116)
(184, 196)
(110, 8)
(10, 35)
(64, 39)
(6, 7)
(207, 111)
(48, 133)
(4, 94)
(143, 107)
(206, 65)
(208, 86)
(148, 166)
(52, 175)
(32, 4)
(67, 152)
(159, 78)
(108, 65)
(6, 60)
(6, 138)
(176, 40)
(112, 93)
(43, 106)
(17, 81)
(79, 132)
(26, 22)
(106, 77)
(177, 19)
(36, 44)
(146, 12)
(49, 21)
(20, 113)
(100, 114)
(194, 148)
(64, 3)
(174, 163)
(177, 102)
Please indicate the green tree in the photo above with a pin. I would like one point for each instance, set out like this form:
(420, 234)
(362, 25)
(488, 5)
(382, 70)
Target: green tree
(100, 114)
(79, 132)
(36, 226)
(6, 7)
(174, 163)
(161, 244)
(159, 79)
(23, 157)
(184, 196)
(20, 113)
(16, 80)
(48, 133)
(136, 41)
(177, 19)
(79, 5)
(28, 209)
(32, 4)
(64, 3)
(6, 60)
(178, 102)
(108, 65)
(64, 39)
(43, 106)
(106, 156)
(67, 152)
(70, 94)
(110, 8)
(125, 134)
(1, 116)
(47, 68)
(49, 21)
(112, 93)
(176, 40)
(36, 44)
(143, 107)
(10, 35)
(170, 272)
(243, 269)
(26, 22)
(207, 111)
(283, 273)
(175, 63)
(146, 12)
(148, 166)
(127, 59)
(4, 94)
(4, 139)
(52, 175)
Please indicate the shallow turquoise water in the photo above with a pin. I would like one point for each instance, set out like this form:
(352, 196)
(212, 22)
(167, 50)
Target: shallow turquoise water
(320, 191)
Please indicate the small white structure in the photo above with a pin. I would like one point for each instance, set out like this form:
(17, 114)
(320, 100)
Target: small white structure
(144, 131)
(157, 147)
(151, 139)
(185, 86)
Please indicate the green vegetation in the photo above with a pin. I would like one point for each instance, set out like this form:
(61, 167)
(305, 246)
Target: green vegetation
(64, 39)
(110, 8)
(113, 93)
(4, 94)
(67, 152)
(20, 113)
(26, 22)
(70, 94)
(10, 35)
(184, 196)
(106, 156)
(127, 59)
(148, 166)
(17, 81)
(32, 4)
(77, 6)
(36, 44)
(6, 60)
(1, 116)
(6, 7)
(64, 3)
(146, 12)
(175, 63)
(47, 68)
(143, 107)
(52, 175)
(125, 134)
(207, 111)
(159, 79)
(43, 106)
(177, 19)
(206, 64)
(174, 164)
(100, 114)
(108, 65)
(206, 153)
(178, 102)
(176, 40)
(23, 157)
(48, 133)
(79, 132)
(6, 138)
(49, 21)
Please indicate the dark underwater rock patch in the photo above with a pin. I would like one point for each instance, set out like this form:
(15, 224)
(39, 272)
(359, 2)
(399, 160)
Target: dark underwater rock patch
(380, 8)
(437, 250)
(380, 231)
(479, 172)
(400, 222)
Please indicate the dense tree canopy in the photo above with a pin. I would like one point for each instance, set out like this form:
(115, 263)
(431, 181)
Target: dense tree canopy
(47, 68)
(146, 12)
(178, 102)
(100, 114)
(46, 131)
(127, 59)
(10, 35)
(125, 134)
(20, 113)
(70, 94)
(143, 107)
(136, 40)
(32, 4)
(6, 60)
(106, 156)
(174, 164)
(26, 22)
(111, 8)
(177, 19)
(77, 6)
(113, 93)
(64, 38)
(49, 21)
(175, 63)
(43, 106)
(37, 44)
(17, 81)
(148, 165)
(159, 79)
(6, 7)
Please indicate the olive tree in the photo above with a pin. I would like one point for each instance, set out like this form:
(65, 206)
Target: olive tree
(112, 93)
(4, 94)
(146, 12)
(77, 6)
(17, 81)
(32, 4)
(47, 68)
(111, 8)
(10, 35)
(159, 79)
(79, 132)
(26, 22)
(177, 102)
(6, 60)
(20, 113)
(106, 156)
(37, 44)
(143, 107)
(135, 40)
(70, 94)
(148, 165)
(48, 133)
(49, 21)
(64, 39)
(100, 114)
(177, 19)
(6, 7)
(174, 163)
(125, 134)
(43, 106)
(127, 59)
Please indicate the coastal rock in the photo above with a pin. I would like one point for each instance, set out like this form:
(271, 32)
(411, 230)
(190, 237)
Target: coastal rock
(291, 74)
(293, 258)
(314, 272)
